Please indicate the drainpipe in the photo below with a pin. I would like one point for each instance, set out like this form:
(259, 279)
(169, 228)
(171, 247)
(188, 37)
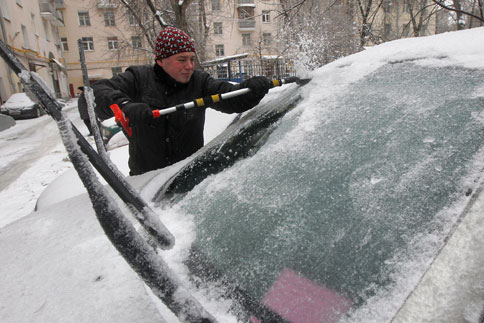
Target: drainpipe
(9, 71)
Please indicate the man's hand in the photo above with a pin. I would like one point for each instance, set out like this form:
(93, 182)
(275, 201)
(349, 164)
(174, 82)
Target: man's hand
(259, 85)
(137, 113)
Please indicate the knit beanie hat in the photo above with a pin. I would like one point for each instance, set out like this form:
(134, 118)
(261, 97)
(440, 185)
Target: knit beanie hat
(172, 41)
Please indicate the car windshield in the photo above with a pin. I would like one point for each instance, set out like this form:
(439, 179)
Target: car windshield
(349, 193)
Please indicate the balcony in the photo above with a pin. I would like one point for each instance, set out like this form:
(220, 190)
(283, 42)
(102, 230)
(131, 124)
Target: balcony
(245, 3)
(107, 4)
(49, 12)
(246, 24)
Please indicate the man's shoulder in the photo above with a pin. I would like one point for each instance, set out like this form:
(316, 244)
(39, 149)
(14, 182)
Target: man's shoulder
(140, 68)
(200, 74)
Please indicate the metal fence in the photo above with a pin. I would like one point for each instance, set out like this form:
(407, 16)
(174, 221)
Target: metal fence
(238, 70)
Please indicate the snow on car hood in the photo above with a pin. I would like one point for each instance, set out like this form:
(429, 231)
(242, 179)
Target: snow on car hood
(18, 101)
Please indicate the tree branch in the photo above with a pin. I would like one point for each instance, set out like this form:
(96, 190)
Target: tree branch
(441, 4)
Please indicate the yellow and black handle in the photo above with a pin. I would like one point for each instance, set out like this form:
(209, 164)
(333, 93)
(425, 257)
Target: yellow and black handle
(197, 103)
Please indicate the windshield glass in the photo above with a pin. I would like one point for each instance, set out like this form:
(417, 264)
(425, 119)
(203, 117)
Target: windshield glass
(348, 193)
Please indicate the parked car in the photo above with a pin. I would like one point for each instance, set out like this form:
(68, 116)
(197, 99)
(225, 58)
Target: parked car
(355, 198)
(20, 106)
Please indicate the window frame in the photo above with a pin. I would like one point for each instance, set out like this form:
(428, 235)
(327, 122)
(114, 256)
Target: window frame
(266, 16)
(88, 43)
(246, 39)
(25, 35)
(218, 28)
(64, 44)
(113, 43)
(109, 18)
(267, 38)
(132, 19)
(216, 5)
(84, 18)
(136, 42)
(219, 50)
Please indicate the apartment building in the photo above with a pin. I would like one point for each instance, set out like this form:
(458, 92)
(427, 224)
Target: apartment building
(108, 35)
(246, 34)
(30, 28)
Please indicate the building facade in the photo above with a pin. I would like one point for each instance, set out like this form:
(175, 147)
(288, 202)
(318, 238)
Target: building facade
(244, 39)
(109, 36)
(31, 29)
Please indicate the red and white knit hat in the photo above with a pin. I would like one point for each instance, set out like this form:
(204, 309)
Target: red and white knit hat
(172, 41)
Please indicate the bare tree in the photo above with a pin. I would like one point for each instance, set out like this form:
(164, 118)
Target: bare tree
(137, 12)
(471, 8)
(151, 16)
(420, 12)
(367, 13)
(318, 32)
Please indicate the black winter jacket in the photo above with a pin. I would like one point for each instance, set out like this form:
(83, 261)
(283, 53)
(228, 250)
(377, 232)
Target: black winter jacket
(82, 107)
(173, 137)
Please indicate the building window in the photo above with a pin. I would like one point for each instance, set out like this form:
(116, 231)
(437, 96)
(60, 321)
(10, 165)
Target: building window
(219, 50)
(65, 45)
(217, 28)
(246, 13)
(136, 41)
(84, 18)
(216, 5)
(46, 29)
(246, 39)
(32, 68)
(267, 38)
(54, 33)
(116, 70)
(109, 18)
(132, 20)
(387, 6)
(388, 30)
(3, 5)
(266, 16)
(87, 43)
(113, 43)
(406, 6)
(25, 34)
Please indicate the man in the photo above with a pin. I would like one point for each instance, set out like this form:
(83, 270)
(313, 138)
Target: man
(82, 107)
(159, 142)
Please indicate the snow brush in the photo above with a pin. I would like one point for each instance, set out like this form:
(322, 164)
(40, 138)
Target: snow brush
(198, 103)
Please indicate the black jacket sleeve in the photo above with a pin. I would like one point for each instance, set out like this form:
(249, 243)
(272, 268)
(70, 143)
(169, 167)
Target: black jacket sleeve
(118, 89)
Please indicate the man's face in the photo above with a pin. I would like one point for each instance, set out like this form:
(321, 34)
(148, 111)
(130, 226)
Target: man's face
(179, 66)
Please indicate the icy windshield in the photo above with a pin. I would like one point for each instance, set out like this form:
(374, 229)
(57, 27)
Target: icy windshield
(347, 198)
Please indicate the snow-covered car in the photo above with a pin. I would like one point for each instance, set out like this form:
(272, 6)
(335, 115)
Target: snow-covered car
(355, 198)
(338, 200)
(20, 106)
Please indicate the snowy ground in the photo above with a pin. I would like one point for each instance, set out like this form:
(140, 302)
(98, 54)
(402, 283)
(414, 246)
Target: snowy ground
(31, 156)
